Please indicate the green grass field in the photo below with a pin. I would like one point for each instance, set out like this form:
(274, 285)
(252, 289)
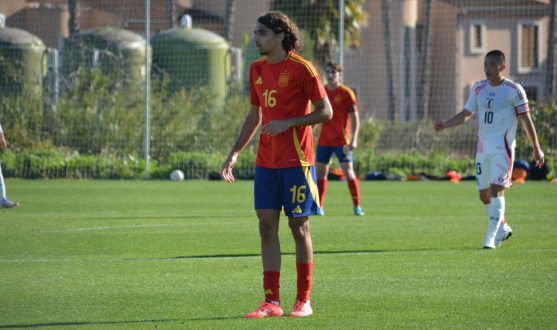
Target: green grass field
(167, 255)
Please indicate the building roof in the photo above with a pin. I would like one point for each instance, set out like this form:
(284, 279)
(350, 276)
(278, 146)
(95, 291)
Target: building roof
(498, 3)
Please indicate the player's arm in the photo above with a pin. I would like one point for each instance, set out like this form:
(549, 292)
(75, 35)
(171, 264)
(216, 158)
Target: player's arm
(355, 124)
(531, 132)
(322, 112)
(251, 123)
(458, 119)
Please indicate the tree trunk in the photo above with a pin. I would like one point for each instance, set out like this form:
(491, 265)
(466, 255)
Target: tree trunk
(386, 9)
(228, 20)
(425, 77)
(72, 22)
(551, 66)
(170, 14)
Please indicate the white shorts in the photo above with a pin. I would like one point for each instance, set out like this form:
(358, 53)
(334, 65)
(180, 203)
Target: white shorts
(494, 169)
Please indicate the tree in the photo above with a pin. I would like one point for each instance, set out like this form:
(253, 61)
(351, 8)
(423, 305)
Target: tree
(386, 10)
(319, 20)
(72, 22)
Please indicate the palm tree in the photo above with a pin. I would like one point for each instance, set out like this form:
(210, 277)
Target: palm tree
(72, 22)
(426, 60)
(386, 9)
(320, 20)
(551, 73)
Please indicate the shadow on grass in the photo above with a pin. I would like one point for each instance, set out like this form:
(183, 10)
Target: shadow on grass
(63, 324)
(244, 255)
(163, 217)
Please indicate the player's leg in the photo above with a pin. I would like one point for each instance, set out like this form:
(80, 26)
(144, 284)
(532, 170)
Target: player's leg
(505, 231)
(483, 179)
(5, 203)
(321, 170)
(496, 215)
(304, 264)
(346, 162)
(268, 203)
(301, 201)
(322, 160)
(501, 170)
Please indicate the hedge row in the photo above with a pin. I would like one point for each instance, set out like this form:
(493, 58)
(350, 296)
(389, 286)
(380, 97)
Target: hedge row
(56, 164)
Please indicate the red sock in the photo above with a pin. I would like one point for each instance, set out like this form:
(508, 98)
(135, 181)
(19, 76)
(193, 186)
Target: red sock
(304, 280)
(271, 285)
(354, 188)
(322, 187)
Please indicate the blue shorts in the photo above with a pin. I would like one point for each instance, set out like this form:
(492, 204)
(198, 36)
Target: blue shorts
(324, 154)
(293, 188)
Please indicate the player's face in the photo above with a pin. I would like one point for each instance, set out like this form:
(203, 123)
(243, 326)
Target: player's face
(493, 69)
(332, 75)
(266, 40)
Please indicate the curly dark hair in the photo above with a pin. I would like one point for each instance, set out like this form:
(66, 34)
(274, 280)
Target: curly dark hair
(280, 23)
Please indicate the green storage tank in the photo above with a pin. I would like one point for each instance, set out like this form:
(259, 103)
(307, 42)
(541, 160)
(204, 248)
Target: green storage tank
(193, 58)
(108, 49)
(22, 62)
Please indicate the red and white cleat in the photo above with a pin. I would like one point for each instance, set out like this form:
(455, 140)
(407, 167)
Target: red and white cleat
(301, 308)
(266, 309)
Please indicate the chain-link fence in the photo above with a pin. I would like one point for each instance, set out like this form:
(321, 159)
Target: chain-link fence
(72, 80)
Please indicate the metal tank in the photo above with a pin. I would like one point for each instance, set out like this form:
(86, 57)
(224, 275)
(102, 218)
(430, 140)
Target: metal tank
(193, 58)
(109, 49)
(23, 65)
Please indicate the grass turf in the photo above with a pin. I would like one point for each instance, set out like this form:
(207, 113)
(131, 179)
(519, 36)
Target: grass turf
(156, 254)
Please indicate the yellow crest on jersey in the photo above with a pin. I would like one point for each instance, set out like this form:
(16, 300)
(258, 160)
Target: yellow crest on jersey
(338, 99)
(283, 79)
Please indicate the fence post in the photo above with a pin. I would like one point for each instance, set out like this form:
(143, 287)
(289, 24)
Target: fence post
(341, 35)
(147, 84)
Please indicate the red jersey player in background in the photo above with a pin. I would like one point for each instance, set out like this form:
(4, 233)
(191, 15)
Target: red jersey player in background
(335, 136)
(282, 85)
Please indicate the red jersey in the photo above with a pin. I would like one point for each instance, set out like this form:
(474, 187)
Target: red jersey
(336, 132)
(285, 90)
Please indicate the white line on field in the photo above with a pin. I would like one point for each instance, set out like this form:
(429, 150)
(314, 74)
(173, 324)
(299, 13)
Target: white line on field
(136, 226)
(315, 219)
(319, 254)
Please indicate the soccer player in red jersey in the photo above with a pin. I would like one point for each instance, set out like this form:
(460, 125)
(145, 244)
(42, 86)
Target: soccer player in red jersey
(282, 86)
(335, 136)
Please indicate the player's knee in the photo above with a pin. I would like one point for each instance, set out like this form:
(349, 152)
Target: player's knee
(299, 229)
(267, 232)
(485, 198)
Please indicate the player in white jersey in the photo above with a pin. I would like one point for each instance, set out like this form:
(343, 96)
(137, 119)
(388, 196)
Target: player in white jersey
(500, 103)
(4, 203)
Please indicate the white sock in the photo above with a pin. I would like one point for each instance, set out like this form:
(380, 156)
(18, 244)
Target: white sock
(503, 226)
(2, 186)
(496, 216)
(274, 302)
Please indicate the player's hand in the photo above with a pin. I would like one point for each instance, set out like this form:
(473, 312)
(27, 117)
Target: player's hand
(539, 157)
(226, 169)
(275, 127)
(3, 143)
(352, 145)
(439, 125)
